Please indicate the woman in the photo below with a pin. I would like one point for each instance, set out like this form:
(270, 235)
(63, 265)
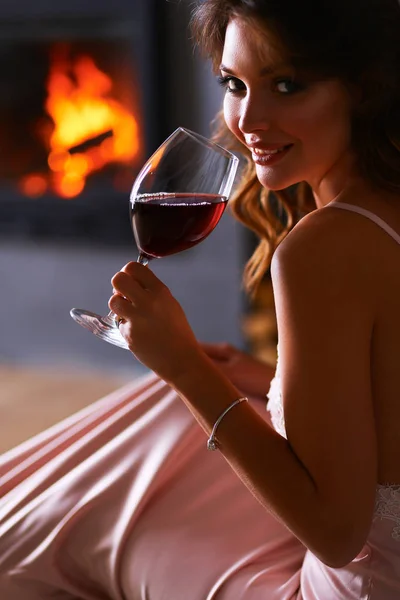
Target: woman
(124, 500)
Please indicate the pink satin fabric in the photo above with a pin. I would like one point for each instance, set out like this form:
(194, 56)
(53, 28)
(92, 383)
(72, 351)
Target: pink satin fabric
(123, 501)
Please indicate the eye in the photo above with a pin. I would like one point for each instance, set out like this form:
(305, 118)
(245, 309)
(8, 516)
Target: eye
(231, 84)
(287, 86)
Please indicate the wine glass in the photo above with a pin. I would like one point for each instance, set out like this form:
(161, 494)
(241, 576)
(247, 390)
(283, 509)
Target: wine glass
(176, 201)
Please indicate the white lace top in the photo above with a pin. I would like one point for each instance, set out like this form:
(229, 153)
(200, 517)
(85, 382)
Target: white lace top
(387, 501)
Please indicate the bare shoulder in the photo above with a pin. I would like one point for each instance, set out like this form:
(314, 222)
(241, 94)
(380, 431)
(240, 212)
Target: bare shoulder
(329, 243)
(329, 228)
(346, 234)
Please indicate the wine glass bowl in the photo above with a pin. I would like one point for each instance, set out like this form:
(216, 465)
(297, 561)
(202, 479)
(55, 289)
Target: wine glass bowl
(165, 224)
(177, 199)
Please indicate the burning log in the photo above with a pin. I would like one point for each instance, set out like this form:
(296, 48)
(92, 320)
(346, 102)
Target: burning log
(91, 142)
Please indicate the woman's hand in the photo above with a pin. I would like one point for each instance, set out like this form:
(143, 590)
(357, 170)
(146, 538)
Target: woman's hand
(250, 375)
(153, 322)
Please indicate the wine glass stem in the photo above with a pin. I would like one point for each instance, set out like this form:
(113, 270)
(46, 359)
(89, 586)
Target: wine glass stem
(142, 259)
(111, 320)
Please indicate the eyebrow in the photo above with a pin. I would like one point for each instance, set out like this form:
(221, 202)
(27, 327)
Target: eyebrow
(264, 71)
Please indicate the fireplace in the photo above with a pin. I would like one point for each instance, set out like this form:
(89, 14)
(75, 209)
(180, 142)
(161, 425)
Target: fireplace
(79, 113)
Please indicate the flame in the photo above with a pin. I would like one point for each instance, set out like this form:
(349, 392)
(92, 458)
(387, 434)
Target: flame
(33, 185)
(82, 110)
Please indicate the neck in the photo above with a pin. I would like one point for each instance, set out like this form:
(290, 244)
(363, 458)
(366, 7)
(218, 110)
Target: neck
(337, 180)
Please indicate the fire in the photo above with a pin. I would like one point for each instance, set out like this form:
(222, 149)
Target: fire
(34, 185)
(91, 129)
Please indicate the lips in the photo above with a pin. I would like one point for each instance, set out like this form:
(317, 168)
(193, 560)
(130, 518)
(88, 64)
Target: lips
(266, 155)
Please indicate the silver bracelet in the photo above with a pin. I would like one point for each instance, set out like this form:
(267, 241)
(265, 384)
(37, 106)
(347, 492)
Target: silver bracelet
(212, 443)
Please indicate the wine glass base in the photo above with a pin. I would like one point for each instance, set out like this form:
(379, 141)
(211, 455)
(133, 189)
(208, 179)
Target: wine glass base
(101, 329)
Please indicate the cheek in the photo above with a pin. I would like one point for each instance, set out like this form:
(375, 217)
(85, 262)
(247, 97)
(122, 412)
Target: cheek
(332, 132)
(326, 118)
(231, 116)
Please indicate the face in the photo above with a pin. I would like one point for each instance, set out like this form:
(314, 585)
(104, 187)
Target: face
(296, 128)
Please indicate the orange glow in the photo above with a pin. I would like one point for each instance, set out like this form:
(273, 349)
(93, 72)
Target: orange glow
(80, 104)
(33, 185)
(69, 185)
(58, 160)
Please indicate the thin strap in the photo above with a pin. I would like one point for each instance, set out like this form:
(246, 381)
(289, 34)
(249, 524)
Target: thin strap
(370, 216)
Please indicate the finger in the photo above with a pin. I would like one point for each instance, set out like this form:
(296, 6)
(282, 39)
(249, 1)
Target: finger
(143, 275)
(129, 288)
(121, 307)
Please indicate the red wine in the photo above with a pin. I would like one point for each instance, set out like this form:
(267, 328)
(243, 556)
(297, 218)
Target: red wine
(164, 224)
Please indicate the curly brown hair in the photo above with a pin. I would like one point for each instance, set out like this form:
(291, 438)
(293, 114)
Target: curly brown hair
(355, 41)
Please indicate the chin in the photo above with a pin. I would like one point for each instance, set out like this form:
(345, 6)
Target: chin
(274, 183)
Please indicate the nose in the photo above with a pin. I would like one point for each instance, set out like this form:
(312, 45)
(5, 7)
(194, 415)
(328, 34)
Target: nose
(255, 114)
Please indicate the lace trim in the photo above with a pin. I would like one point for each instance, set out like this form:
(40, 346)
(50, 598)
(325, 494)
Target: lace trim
(275, 406)
(387, 506)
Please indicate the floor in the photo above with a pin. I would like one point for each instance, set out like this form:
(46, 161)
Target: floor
(34, 398)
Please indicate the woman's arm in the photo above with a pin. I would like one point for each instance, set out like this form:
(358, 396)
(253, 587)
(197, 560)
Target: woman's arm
(320, 481)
